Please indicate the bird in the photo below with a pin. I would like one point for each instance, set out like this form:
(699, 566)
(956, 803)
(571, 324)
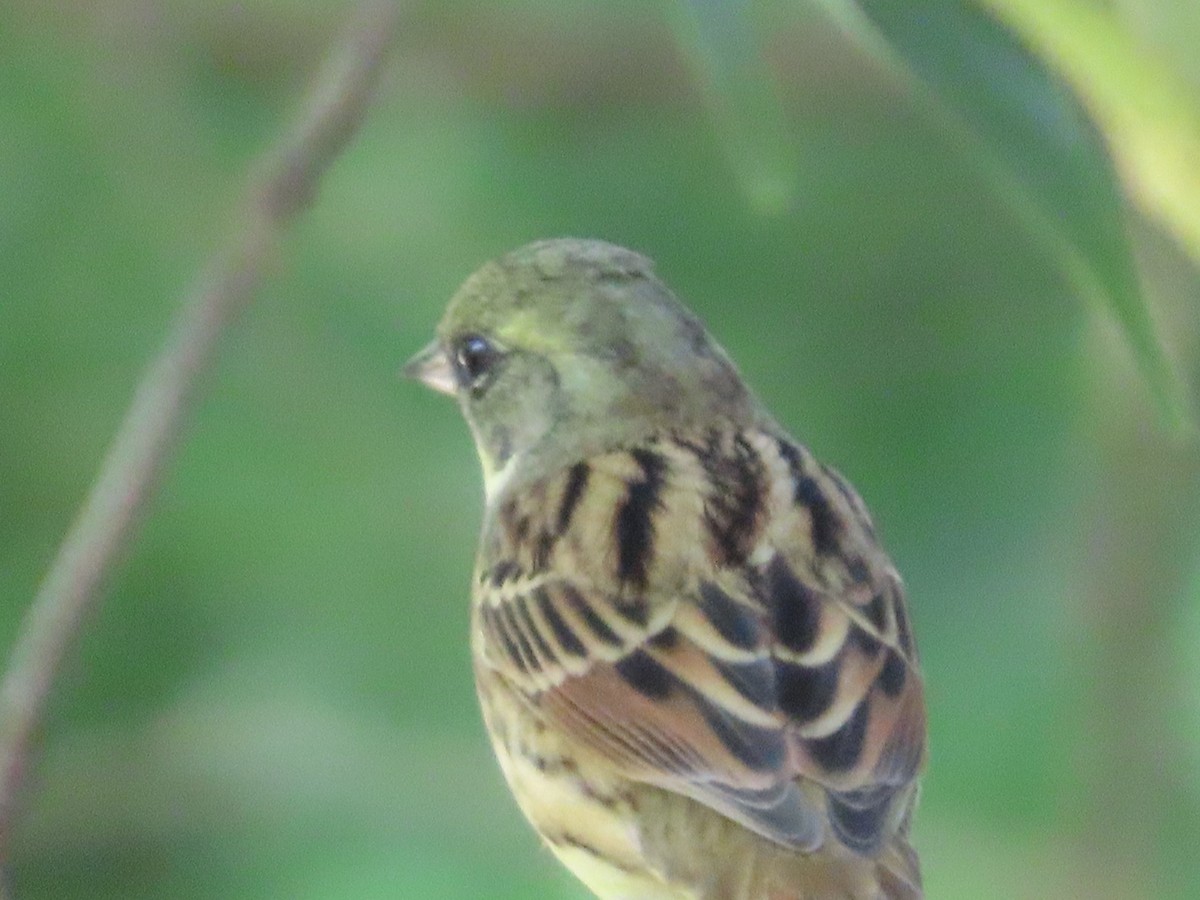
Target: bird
(694, 659)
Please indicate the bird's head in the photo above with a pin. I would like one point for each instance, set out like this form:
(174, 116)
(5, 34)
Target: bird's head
(567, 347)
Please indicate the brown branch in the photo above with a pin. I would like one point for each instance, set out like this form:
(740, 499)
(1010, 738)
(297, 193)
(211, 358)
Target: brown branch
(134, 464)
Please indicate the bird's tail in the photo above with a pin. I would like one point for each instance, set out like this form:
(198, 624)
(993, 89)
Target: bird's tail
(893, 874)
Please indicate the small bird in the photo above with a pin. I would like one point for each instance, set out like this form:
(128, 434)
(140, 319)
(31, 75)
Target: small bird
(694, 659)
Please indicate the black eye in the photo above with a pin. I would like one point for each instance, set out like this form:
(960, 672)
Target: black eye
(474, 357)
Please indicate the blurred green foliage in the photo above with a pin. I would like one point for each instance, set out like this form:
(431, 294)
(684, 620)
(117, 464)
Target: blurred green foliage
(275, 700)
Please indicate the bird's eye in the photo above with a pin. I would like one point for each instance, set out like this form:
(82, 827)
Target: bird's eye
(474, 358)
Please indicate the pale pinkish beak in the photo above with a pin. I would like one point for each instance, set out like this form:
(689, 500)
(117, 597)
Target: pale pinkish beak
(432, 368)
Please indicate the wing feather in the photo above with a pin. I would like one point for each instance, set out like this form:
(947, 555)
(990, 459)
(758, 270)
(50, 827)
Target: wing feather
(731, 632)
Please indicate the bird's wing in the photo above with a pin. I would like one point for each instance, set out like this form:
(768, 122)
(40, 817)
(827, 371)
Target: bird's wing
(847, 671)
(669, 701)
(660, 606)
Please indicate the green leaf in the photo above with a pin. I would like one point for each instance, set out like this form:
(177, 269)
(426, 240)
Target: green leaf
(722, 46)
(1031, 136)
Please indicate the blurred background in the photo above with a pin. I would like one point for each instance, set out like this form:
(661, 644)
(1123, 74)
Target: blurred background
(275, 699)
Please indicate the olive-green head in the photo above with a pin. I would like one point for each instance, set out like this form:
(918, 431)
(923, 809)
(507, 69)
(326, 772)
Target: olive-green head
(567, 347)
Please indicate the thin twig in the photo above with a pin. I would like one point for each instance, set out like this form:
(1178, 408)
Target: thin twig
(133, 467)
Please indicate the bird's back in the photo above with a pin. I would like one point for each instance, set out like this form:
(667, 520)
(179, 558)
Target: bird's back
(696, 667)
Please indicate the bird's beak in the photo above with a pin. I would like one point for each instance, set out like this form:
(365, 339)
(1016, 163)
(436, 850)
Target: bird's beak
(431, 367)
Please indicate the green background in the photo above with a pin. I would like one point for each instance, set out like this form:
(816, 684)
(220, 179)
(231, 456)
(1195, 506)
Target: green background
(275, 698)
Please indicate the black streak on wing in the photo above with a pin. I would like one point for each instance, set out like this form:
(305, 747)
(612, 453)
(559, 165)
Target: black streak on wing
(864, 641)
(840, 751)
(646, 676)
(634, 609)
(595, 624)
(504, 571)
(858, 570)
(504, 615)
(733, 622)
(497, 628)
(529, 627)
(733, 508)
(893, 674)
(667, 639)
(826, 527)
(577, 479)
(852, 499)
(806, 692)
(761, 749)
(790, 455)
(753, 680)
(858, 817)
(877, 612)
(635, 519)
(542, 548)
(520, 529)
(562, 631)
(795, 607)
